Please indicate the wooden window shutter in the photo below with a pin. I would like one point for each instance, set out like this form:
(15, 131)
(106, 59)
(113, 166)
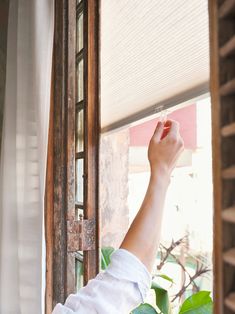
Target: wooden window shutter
(72, 219)
(222, 48)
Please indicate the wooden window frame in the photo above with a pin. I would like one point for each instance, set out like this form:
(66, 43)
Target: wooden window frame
(62, 231)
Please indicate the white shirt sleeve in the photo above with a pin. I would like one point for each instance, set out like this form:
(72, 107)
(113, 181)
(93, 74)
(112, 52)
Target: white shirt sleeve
(118, 290)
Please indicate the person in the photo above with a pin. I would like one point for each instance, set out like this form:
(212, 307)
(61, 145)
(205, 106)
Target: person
(126, 282)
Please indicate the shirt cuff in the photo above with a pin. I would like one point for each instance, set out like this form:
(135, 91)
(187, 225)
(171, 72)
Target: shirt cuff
(126, 266)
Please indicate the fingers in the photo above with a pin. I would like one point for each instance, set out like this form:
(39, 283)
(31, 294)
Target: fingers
(173, 127)
(169, 129)
(158, 131)
(174, 134)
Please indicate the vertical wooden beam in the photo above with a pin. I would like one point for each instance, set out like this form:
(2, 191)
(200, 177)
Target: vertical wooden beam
(59, 151)
(70, 149)
(216, 147)
(92, 116)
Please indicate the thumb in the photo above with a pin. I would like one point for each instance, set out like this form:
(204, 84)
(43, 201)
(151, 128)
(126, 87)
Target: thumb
(158, 131)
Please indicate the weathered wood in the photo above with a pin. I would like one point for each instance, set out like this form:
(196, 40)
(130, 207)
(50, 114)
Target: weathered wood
(216, 144)
(81, 235)
(63, 155)
(92, 120)
(59, 152)
(70, 137)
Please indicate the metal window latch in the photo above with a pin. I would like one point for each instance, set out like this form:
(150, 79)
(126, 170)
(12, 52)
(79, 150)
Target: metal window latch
(81, 235)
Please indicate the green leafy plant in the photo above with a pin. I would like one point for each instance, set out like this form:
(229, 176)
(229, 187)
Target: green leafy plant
(145, 308)
(198, 303)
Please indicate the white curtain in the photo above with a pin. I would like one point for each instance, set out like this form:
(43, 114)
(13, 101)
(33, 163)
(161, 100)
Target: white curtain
(23, 156)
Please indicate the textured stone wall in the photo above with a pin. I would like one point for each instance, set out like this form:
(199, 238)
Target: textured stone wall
(114, 153)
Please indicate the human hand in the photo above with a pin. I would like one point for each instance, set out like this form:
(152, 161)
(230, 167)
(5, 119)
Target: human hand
(165, 147)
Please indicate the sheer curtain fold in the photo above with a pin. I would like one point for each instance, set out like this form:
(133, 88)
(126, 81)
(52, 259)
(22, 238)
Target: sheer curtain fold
(23, 156)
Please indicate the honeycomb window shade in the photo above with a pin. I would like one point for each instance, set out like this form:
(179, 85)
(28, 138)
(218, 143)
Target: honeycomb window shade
(152, 52)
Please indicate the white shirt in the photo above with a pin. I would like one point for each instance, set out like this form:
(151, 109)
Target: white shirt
(118, 290)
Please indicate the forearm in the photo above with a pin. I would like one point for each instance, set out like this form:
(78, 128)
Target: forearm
(143, 236)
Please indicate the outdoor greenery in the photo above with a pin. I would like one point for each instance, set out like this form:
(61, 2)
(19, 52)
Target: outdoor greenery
(198, 303)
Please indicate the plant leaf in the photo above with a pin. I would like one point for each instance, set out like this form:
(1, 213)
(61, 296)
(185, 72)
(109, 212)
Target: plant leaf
(144, 308)
(105, 256)
(198, 303)
(162, 298)
(165, 277)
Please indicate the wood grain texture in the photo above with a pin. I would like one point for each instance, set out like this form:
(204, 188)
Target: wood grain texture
(216, 143)
(70, 137)
(62, 212)
(59, 152)
(92, 123)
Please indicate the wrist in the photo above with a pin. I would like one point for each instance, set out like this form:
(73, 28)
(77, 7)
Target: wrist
(160, 175)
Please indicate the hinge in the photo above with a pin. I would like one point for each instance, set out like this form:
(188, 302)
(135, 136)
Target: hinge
(81, 235)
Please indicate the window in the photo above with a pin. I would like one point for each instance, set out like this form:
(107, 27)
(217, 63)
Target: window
(188, 213)
(72, 177)
(72, 183)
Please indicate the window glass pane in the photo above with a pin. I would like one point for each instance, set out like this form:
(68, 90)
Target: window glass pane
(80, 32)
(80, 81)
(79, 131)
(79, 274)
(79, 180)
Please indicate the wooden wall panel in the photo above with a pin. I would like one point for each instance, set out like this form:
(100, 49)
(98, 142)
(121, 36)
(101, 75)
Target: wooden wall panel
(222, 47)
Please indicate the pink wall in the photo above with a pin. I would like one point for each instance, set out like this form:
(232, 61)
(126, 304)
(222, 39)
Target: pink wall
(187, 117)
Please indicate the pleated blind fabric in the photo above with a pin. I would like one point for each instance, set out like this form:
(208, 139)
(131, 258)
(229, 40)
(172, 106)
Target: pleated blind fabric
(151, 50)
